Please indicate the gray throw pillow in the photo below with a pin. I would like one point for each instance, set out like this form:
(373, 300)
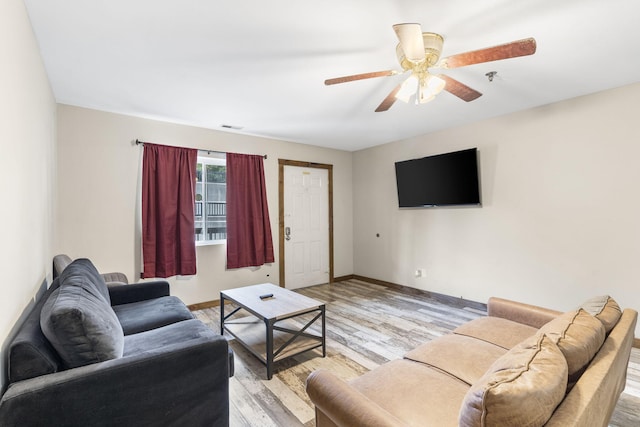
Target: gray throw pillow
(81, 326)
(84, 274)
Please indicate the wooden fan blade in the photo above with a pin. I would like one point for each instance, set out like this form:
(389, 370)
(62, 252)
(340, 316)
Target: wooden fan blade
(389, 100)
(504, 51)
(460, 90)
(362, 76)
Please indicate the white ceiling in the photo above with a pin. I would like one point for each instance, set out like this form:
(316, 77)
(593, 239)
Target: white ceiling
(260, 65)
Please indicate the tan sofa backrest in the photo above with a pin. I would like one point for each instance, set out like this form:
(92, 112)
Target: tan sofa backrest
(527, 314)
(593, 398)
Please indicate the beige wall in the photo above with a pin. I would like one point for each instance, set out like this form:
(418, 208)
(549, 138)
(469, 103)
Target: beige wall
(27, 167)
(99, 174)
(560, 215)
(560, 191)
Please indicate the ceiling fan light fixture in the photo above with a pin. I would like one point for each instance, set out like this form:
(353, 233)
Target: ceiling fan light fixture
(407, 89)
(430, 86)
(425, 96)
(434, 84)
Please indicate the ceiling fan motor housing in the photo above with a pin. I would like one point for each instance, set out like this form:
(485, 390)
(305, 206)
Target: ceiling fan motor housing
(432, 49)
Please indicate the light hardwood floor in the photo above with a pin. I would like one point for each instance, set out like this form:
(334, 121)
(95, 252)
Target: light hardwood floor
(367, 325)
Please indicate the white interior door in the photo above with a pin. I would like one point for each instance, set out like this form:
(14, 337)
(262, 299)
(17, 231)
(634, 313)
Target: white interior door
(306, 225)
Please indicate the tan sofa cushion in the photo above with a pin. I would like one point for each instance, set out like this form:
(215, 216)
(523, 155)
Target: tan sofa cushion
(496, 330)
(579, 336)
(416, 394)
(522, 388)
(605, 309)
(461, 356)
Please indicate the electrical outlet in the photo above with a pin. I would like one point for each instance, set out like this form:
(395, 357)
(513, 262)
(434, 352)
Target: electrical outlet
(418, 273)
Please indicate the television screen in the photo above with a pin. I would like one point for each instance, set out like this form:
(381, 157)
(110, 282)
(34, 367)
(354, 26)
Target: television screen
(441, 180)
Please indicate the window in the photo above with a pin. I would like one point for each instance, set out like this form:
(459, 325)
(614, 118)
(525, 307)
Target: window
(211, 201)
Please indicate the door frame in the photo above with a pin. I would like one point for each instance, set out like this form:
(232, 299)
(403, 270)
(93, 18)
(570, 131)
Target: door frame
(281, 164)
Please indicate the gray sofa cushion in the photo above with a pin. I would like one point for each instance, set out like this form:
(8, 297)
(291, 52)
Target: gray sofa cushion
(83, 273)
(150, 314)
(81, 326)
(181, 334)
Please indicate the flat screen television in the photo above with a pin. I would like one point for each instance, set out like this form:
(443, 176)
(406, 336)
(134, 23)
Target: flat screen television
(448, 179)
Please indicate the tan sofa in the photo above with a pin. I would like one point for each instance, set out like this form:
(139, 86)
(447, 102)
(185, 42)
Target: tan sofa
(521, 365)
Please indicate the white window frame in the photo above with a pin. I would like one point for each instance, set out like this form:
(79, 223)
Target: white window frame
(205, 160)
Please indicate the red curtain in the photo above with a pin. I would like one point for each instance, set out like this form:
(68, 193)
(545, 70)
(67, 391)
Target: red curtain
(249, 242)
(168, 210)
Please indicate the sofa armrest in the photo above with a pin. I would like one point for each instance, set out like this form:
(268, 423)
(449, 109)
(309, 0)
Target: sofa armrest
(179, 384)
(526, 314)
(115, 277)
(138, 292)
(344, 405)
(593, 398)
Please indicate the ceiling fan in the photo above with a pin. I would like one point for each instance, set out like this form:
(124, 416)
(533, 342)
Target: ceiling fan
(418, 52)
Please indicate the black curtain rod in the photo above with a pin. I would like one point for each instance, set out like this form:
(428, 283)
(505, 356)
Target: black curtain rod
(138, 142)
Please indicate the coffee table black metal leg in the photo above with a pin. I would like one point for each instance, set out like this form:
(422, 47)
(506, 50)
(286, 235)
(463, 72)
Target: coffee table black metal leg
(269, 327)
(221, 315)
(324, 333)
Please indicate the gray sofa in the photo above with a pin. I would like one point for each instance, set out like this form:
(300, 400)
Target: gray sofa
(61, 261)
(129, 355)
